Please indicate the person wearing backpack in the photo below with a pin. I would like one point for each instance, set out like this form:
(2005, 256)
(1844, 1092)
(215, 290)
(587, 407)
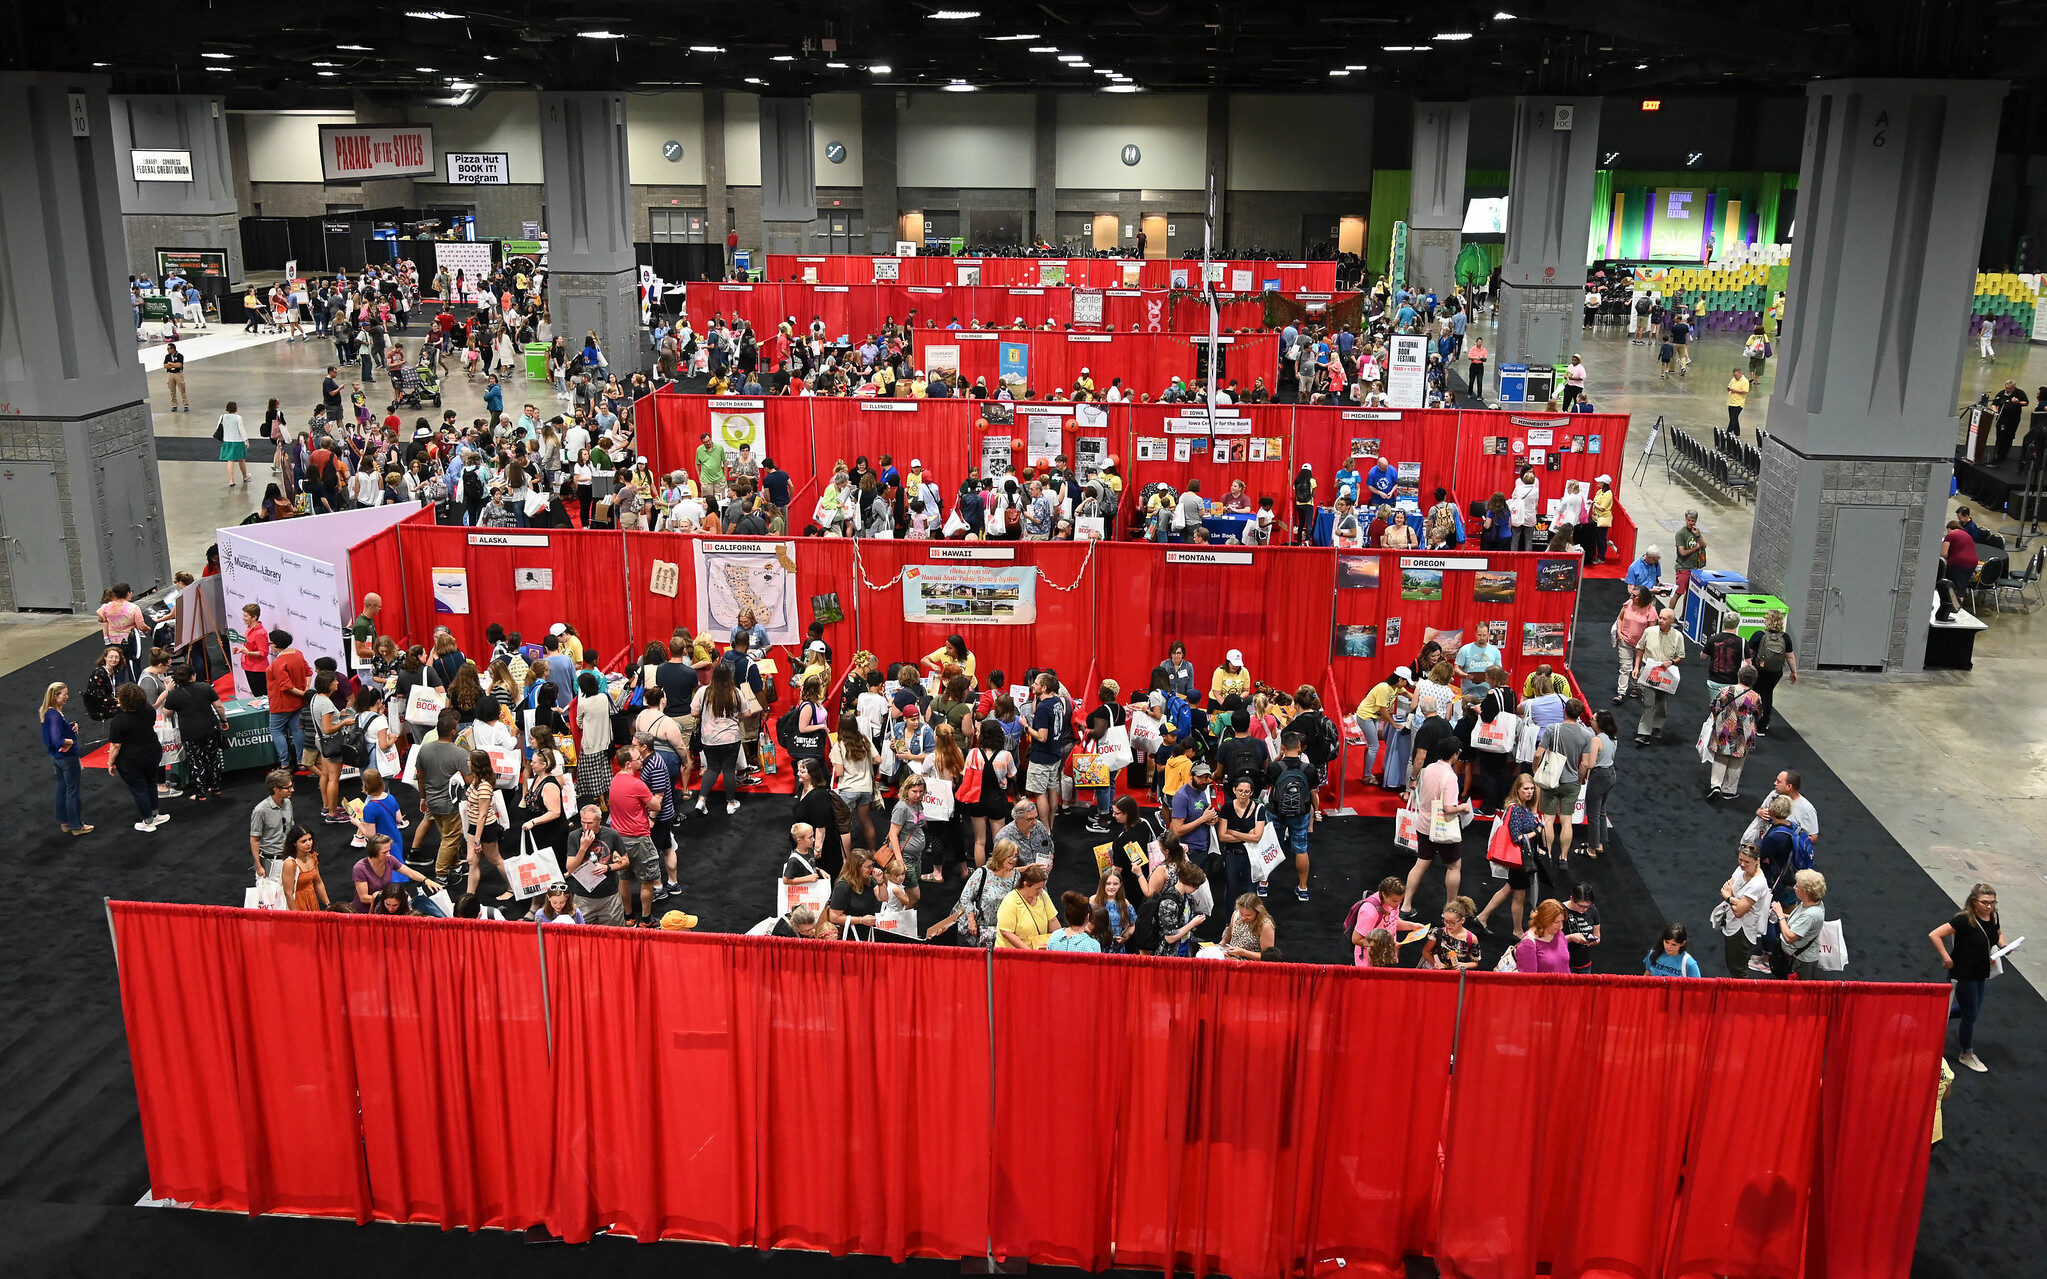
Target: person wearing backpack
(1290, 784)
(1772, 653)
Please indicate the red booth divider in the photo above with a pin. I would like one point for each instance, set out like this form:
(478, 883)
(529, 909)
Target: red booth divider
(1214, 1124)
(1093, 273)
(806, 435)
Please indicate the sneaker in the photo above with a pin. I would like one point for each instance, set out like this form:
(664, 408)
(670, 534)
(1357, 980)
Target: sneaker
(169, 792)
(1618, 699)
(731, 807)
(359, 841)
(1973, 1062)
(159, 820)
(1259, 889)
(1300, 894)
(145, 827)
(701, 807)
(661, 892)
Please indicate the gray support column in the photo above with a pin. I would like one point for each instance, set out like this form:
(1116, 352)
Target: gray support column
(880, 201)
(1549, 225)
(788, 175)
(1849, 507)
(199, 213)
(592, 280)
(716, 196)
(385, 193)
(79, 503)
(1045, 168)
(1435, 199)
(1219, 163)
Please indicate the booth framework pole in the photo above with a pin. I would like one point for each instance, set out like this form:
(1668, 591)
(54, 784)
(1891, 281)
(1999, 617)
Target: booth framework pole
(625, 560)
(546, 1000)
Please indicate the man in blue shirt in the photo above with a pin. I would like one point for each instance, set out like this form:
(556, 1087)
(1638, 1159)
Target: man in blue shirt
(1405, 317)
(1051, 736)
(1648, 570)
(1195, 813)
(1381, 480)
(1458, 322)
(1478, 656)
(561, 673)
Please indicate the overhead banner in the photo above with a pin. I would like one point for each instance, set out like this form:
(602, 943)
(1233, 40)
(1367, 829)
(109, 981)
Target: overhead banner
(747, 577)
(354, 152)
(737, 422)
(193, 264)
(970, 595)
(479, 168)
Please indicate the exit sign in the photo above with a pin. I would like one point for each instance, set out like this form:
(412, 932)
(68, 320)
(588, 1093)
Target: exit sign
(1652, 104)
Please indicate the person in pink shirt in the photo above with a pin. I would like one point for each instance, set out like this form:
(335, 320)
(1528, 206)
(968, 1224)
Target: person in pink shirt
(1544, 949)
(1638, 614)
(1380, 911)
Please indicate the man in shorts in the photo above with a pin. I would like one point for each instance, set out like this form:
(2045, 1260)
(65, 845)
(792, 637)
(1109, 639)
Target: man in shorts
(1575, 742)
(440, 760)
(593, 840)
(633, 809)
(1051, 737)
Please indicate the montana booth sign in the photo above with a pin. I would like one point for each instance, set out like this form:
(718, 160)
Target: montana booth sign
(353, 152)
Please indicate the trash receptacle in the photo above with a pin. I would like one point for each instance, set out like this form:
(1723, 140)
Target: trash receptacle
(1751, 609)
(1699, 611)
(536, 361)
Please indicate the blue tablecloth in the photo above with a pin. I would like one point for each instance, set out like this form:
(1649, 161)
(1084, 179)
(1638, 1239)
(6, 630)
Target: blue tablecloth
(1325, 525)
(1226, 528)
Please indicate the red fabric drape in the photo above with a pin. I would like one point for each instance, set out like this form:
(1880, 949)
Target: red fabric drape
(1480, 474)
(589, 584)
(301, 1063)
(933, 431)
(1094, 273)
(450, 1062)
(240, 1047)
(1876, 1124)
(1271, 477)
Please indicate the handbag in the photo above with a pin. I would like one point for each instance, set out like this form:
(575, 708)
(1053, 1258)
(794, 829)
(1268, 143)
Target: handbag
(968, 791)
(1266, 854)
(533, 870)
(1551, 770)
(1501, 847)
(1706, 740)
(1443, 830)
(1404, 822)
(1524, 742)
(1114, 748)
(424, 707)
(220, 429)
(504, 763)
(1498, 737)
(938, 799)
(1833, 956)
(265, 894)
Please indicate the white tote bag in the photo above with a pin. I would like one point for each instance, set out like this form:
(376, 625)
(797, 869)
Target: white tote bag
(1661, 676)
(1113, 750)
(1524, 742)
(1551, 770)
(533, 870)
(1833, 956)
(938, 803)
(425, 706)
(1498, 737)
(1404, 823)
(1266, 854)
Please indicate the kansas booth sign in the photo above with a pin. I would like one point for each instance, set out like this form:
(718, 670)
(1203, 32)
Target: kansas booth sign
(354, 152)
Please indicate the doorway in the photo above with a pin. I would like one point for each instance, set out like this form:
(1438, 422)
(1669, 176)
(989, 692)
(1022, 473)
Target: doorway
(1350, 235)
(1107, 231)
(1861, 595)
(910, 226)
(1154, 235)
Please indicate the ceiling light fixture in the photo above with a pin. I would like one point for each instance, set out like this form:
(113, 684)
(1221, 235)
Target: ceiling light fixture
(1354, 66)
(1339, 71)
(354, 48)
(1451, 35)
(1044, 48)
(1072, 57)
(1122, 88)
(954, 15)
(326, 64)
(752, 79)
(100, 64)
(424, 70)
(1641, 66)
(1032, 36)
(490, 57)
(330, 73)
(783, 57)
(600, 35)
(220, 68)
(1503, 16)
(880, 68)
(707, 48)
(222, 56)
(837, 66)
(432, 15)
(960, 86)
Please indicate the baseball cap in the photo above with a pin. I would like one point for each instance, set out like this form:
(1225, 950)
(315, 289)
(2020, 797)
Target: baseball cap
(916, 463)
(677, 921)
(559, 628)
(1602, 479)
(1404, 673)
(1083, 368)
(1202, 769)
(815, 646)
(1234, 657)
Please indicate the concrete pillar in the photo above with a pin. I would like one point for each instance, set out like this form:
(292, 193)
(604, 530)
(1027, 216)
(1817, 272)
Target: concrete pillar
(592, 280)
(385, 193)
(1549, 220)
(79, 503)
(1435, 199)
(717, 198)
(788, 175)
(880, 200)
(1849, 507)
(1045, 168)
(1219, 163)
(199, 213)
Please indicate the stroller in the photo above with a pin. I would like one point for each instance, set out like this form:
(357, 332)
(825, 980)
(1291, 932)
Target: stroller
(416, 385)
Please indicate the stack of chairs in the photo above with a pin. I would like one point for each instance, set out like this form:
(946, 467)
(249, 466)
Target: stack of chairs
(1711, 464)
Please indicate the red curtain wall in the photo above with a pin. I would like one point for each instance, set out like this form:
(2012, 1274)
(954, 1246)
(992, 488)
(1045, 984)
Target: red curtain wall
(1096, 273)
(1228, 1135)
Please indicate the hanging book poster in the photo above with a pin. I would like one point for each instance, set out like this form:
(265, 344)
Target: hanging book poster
(451, 590)
(998, 412)
(970, 594)
(1357, 641)
(1421, 583)
(1364, 448)
(995, 456)
(1357, 572)
(1556, 575)
(1152, 448)
(1494, 588)
(750, 576)
(1392, 631)
(825, 608)
(1542, 639)
(1451, 638)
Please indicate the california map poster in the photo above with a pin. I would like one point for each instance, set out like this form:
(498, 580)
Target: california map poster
(735, 577)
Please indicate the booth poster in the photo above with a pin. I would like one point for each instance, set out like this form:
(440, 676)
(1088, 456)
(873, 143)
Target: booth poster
(754, 576)
(970, 594)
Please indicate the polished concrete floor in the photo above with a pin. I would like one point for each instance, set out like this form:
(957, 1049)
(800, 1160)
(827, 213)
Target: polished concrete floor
(1953, 763)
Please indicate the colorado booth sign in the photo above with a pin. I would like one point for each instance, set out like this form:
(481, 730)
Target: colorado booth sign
(355, 152)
